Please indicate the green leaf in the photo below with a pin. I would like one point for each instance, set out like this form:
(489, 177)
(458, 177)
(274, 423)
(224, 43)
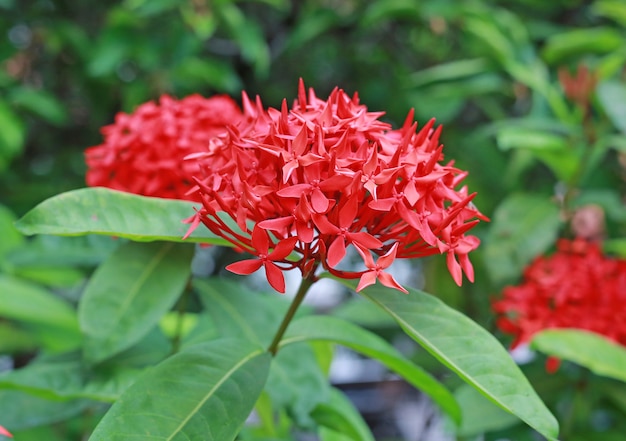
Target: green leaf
(27, 302)
(573, 43)
(612, 96)
(523, 226)
(19, 410)
(614, 9)
(479, 414)
(129, 293)
(371, 345)
(238, 311)
(340, 415)
(459, 70)
(204, 393)
(65, 377)
(12, 135)
(11, 238)
(296, 383)
(593, 351)
(114, 213)
(41, 103)
(468, 350)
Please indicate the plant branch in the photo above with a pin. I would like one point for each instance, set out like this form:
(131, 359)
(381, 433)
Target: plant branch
(302, 290)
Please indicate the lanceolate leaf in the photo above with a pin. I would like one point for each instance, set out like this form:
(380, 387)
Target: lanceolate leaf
(114, 213)
(129, 293)
(369, 344)
(467, 349)
(593, 351)
(204, 393)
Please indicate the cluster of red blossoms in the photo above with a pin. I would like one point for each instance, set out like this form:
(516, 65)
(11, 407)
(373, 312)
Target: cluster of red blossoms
(143, 152)
(576, 287)
(296, 187)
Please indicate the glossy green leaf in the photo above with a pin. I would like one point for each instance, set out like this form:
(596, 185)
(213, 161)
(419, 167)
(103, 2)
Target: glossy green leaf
(479, 414)
(24, 301)
(204, 393)
(114, 213)
(340, 415)
(612, 96)
(523, 226)
(371, 345)
(593, 351)
(129, 293)
(14, 339)
(468, 350)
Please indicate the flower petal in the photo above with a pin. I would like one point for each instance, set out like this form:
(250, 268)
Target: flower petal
(245, 267)
(275, 277)
(367, 279)
(283, 249)
(336, 251)
(390, 282)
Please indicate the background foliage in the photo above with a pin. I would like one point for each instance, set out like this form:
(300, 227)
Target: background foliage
(488, 70)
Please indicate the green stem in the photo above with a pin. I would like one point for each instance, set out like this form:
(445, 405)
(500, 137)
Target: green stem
(302, 290)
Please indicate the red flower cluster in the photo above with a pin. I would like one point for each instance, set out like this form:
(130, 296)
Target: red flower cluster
(297, 186)
(576, 287)
(143, 152)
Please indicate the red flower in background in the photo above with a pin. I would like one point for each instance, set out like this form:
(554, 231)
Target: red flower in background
(325, 175)
(143, 152)
(576, 287)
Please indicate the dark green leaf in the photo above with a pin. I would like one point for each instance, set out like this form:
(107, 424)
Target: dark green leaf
(371, 345)
(204, 393)
(523, 226)
(12, 135)
(114, 213)
(593, 351)
(467, 349)
(129, 293)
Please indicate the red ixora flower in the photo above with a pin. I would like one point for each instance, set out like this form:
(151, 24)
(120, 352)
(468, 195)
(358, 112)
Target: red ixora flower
(143, 152)
(297, 186)
(576, 287)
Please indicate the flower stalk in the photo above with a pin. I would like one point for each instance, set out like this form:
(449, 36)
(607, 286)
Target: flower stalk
(306, 283)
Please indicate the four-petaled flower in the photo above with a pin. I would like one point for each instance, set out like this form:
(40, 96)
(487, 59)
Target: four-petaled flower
(304, 184)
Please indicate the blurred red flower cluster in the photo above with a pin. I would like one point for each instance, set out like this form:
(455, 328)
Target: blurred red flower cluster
(576, 287)
(301, 184)
(143, 152)
(5, 432)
